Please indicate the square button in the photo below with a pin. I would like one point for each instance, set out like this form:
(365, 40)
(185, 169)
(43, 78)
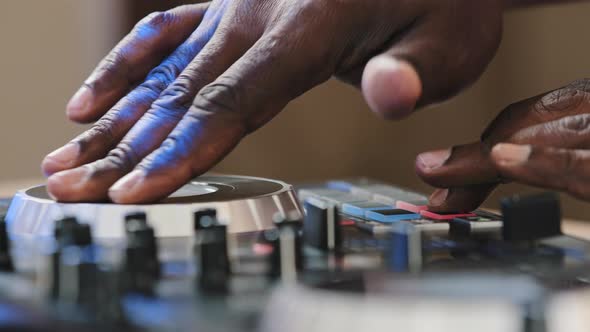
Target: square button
(359, 209)
(391, 215)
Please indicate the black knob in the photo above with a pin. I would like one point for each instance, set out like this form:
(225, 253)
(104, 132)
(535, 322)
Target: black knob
(211, 254)
(5, 258)
(204, 219)
(136, 216)
(321, 227)
(74, 267)
(135, 220)
(141, 235)
(109, 299)
(141, 270)
(68, 232)
(286, 258)
(531, 218)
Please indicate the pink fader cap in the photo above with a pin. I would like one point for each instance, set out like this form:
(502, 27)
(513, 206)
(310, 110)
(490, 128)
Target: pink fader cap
(423, 210)
(408, 206)
(436, 216)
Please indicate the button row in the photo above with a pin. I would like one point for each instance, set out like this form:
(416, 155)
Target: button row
(375, 207)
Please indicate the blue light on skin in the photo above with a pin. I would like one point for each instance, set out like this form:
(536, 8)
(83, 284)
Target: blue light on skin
(170, 68)
(175, 148)
(139, 138)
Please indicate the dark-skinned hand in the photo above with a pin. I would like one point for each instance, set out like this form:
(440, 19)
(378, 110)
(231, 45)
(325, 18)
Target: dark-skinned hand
(186, 85)
(543, 141)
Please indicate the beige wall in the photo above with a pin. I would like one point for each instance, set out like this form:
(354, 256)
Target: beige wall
(49, 51)
(48, 48)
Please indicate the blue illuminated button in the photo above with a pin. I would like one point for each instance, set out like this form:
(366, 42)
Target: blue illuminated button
(391, 215)
(359, 209)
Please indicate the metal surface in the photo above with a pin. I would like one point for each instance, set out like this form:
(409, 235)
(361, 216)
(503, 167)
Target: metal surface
(250, 203)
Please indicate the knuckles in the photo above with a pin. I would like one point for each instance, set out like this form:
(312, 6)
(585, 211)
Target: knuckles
(578, 123)
(570, 101)
(177, 97)
(163, 75)
(574, 97)
(581, 84)
(157, 21)
(104, 130)
(122, 158)
(220, 97)
(113, 66)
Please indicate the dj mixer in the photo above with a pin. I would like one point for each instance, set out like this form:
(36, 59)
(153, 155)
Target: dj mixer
(233, 253)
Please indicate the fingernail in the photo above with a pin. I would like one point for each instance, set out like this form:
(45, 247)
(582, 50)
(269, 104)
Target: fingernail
(511, 154)
(69, 178)
(65, 154)
(126, 184)
(434, 159)
(80, 101)
(438, 197)
(61, 158)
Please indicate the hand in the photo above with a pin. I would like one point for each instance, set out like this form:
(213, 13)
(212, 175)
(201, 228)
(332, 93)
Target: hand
(542, 141)
(179, 93)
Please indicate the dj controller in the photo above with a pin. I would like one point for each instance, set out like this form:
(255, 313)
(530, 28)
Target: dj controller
(233, 253)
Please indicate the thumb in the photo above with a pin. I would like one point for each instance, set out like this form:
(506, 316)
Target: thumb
(430, 62)
(391, 87)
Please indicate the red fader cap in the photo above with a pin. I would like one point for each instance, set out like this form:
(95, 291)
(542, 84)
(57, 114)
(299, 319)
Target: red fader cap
(409, 206)
(438, 216)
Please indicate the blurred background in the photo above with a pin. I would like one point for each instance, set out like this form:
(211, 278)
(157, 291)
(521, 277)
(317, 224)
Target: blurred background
(49, 47)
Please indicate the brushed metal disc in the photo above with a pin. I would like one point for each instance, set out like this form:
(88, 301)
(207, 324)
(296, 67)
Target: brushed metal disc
(248, 202)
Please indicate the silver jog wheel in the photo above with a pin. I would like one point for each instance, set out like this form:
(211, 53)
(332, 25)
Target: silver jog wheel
(244, 203)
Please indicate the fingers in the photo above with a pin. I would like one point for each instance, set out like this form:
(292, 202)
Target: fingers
(469, 164)
(429, 63)
(247, 95)
(557, 119)
(461, 199)
(552, 168)
(572, 99)
(471, 167)
(568, 132)
(93, 181)
(130, 61)
(465, 172)
(459, 166)
(105, 134)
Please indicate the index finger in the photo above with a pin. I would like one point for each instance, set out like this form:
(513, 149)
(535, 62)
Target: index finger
(569, 100)
(152, 39)
(475, 175)
(246, 96)
(470, 164)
